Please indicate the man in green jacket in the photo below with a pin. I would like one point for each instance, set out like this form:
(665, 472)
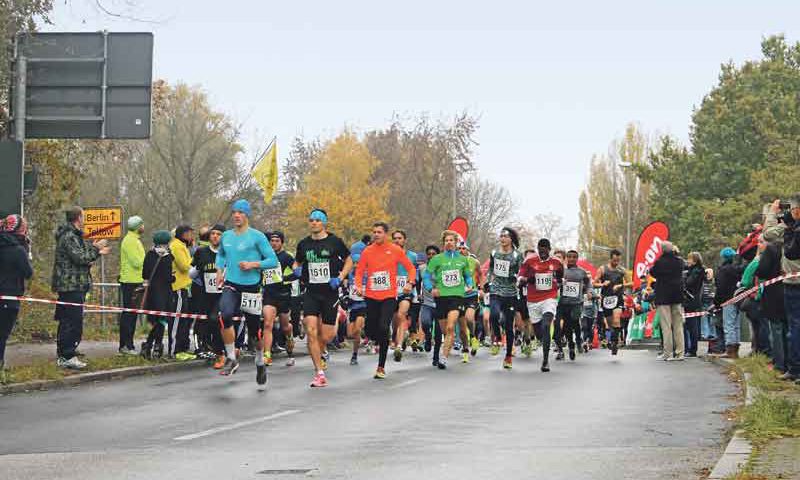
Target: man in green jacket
(131, 260)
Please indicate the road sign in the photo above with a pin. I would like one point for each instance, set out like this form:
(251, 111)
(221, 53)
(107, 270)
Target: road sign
(11, 178)
(84, 85)
(102, 222)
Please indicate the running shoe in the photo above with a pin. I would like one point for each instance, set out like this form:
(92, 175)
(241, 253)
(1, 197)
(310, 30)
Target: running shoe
(442, 364)
(545, 367)
(435, 362)
(475, 344)
(290, 362)
(319, 380)
(507, 363)
(380, 374)
(261, 374)
(527, 350)
(465, 357)
(73, 363)
(487, 342)
(354, 359)
(560, 355)
(220, 362)
(495, 349)
(231, 366)
(457, 345)
(585, 347)
(398, 355)
(572, 354)
(415, 345)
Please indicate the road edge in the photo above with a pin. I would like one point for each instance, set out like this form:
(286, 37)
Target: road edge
(737, 452)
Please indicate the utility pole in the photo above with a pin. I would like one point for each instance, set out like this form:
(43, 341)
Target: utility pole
(626, 166)
(21, 78)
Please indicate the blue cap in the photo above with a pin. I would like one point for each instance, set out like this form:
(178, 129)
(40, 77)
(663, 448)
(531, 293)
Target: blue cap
(727, 253)
(357, 248)
(241, 205)
(317, 214)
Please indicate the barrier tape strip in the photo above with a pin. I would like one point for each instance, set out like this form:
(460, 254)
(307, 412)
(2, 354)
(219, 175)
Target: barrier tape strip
(747, 293)
(196, 316)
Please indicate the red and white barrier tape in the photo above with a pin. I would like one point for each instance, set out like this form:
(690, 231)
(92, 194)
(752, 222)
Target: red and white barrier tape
(196, 316)
(747, 293)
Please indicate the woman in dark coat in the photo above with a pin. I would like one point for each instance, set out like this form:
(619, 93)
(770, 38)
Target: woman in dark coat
(15, 268)
(693, 301)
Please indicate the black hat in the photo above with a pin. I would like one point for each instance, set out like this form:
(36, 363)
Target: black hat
(181, 229)
(543, 242)
(218, 227)
(276, 234)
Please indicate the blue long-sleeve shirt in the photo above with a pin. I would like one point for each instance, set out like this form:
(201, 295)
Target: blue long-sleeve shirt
(249, 246)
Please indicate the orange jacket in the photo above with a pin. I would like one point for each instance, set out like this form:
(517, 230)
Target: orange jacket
(379, 262)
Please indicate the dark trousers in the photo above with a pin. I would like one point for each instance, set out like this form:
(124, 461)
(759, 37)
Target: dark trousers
(9, 309)
(503, 307)
(179, 327)
(778, 342)
(791, 297)
(70, 323)
(379, 319)
(571, 314)
(691, 335)
(127, 320)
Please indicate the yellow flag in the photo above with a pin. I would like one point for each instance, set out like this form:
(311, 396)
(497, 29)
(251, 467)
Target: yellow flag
(265, 172)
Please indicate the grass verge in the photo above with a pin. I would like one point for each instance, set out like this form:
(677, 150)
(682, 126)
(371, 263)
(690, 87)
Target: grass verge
(48, 370)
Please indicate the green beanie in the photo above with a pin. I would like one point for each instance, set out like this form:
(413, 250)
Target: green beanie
(161, 237)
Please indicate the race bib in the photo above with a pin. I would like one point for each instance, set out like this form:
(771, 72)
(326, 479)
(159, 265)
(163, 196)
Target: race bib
(296, 288)
(502, 267)
(401, 282)
(353, 296)
(251, 303)
(544, 281)
(610, 303)
(571, 289)
(486, 298)
(525, 291)
(451, 278)
(272, 276)
(379, 281)
(210, 280)
(319, 272)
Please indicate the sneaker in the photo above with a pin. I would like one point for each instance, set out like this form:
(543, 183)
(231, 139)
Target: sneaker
(261, 374)
(545, 367)
(278, 349)
(290, 362)
(661, 356)
(494, 350)
(527, 350)
(380, 374)
(354, 360)
(184, 356)
(465, 357)
(475, 344)
(678, 358)
(507, 363)
(127, 351)
(398, 355)
(487, 342)
(585, 347)
(146, 351)
(572, 354)
(220, 362)
(442, 364)
(788, 377)
(319, 380)
(435, 362)
(73, 363)
(231, 366)
(560, 355)
(614, 349)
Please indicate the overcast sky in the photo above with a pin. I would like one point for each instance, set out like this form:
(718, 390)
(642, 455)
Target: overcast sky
(552, 82)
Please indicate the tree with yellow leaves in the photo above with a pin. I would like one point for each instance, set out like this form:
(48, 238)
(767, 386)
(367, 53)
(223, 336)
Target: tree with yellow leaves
(343, 186)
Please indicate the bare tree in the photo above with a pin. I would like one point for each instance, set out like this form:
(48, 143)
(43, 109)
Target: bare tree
(487, 207)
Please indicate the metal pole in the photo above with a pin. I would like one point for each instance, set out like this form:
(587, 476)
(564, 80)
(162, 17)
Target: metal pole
(628, 235)
(104, 86)
(19, 119)
(455, 191)
(103, 291)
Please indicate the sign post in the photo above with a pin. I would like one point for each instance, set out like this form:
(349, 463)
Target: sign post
(102, 223)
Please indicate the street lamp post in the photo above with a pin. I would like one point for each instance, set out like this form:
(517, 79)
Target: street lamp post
(626, 166)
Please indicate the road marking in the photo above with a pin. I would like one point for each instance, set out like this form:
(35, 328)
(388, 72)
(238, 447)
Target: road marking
(407, 383)
(234, 426)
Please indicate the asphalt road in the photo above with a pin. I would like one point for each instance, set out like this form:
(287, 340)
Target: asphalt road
(597, 418)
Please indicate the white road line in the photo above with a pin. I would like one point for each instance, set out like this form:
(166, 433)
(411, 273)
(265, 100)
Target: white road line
(234, 426)
(407, 383)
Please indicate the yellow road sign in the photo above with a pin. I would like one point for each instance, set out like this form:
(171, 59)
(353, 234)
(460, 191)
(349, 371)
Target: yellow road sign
(102, 222)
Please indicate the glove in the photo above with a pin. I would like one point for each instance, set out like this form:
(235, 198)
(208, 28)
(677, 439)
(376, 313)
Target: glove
(298, 272)
(335, 283)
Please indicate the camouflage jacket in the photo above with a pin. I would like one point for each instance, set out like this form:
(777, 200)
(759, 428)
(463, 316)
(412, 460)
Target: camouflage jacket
(73, 261)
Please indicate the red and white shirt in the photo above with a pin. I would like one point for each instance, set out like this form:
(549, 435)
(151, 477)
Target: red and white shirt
(543, 277)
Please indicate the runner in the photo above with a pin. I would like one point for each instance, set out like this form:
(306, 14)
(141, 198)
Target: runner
(504, 266)
(448, 278)
(404, 297)
(576, 288)
(428, 309)
(322, 261)
(277, 296)
(466, 322)
(358, 306)
(522, 320)
(204, 261)
(542, 273)
(379, 264)
(243, 253)
(588, 318)
(611, 280)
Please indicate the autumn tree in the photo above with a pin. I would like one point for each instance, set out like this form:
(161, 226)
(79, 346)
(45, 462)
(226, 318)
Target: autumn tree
(487, 207)
(342, 185)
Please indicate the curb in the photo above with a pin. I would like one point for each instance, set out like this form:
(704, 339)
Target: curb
(102, 375)
(739, 449)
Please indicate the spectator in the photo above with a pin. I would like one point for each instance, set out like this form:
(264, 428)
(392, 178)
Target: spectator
(668, 272)
(157, 269)
(751, 307)
(131, 259)
(182, 261)
(728, 275)
(790, 263)
(772, 307)
(72, 279)
(693, 302)
(15, 268)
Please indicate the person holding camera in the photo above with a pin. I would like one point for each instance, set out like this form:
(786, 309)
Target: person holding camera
(784, 218)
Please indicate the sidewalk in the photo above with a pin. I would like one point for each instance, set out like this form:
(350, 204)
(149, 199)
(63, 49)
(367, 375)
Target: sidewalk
(21, 354)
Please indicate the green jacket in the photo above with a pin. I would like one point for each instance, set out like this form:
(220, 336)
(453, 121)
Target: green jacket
(749, 276)
(450, 272)
(73, 260)
(131, 258)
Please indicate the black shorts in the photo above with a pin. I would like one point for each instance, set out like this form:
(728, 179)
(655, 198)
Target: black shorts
(354, 313)
(413, 314)
(609, 312)
(321, 305)
(445, 305)
(379, 318)
(281, 302)
(471, 302)
(405, 297)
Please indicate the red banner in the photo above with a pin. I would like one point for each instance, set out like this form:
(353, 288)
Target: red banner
(648, 249)
(461, 227)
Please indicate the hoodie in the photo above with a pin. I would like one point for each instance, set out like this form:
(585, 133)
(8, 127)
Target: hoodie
(15, 267)
(73, 260)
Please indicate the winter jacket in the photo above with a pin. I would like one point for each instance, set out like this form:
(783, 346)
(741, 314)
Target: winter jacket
(668, 272)
(159, 275)
(694, 287)
(131, 258)
(182, 262)
(769, 266)
(15, 267)
(791, 244)
(728, 275)
(73, 262)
